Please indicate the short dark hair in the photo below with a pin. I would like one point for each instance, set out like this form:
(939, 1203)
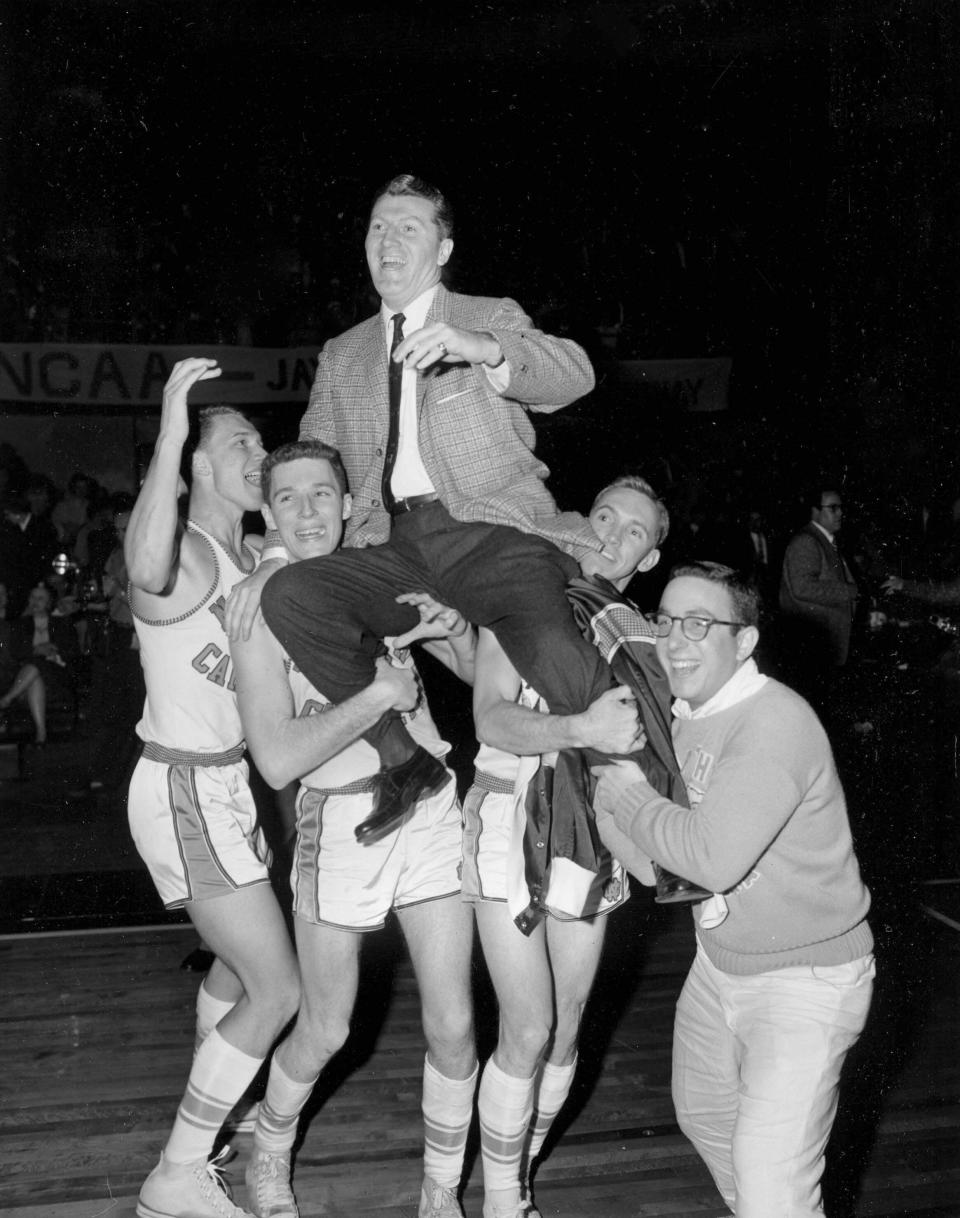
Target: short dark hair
(200, 426)
(633, 482)
(299, 450)
(817, 490)
(744, 594)
(408, 184)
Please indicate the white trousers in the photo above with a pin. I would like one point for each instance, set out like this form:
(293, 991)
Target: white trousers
(756, 1068)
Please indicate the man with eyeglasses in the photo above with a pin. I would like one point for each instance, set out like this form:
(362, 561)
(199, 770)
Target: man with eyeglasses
(818, 598)
(781, 983)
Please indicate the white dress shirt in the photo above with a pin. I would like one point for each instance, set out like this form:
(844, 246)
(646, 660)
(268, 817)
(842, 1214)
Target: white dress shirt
(410, 476)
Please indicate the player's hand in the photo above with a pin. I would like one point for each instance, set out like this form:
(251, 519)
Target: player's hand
(440, 343)
(242, 611)
(400, 685)
(624, 848)
(893, 583)
(614, 783)
(174, 422)
(437, 621)
(611, 723)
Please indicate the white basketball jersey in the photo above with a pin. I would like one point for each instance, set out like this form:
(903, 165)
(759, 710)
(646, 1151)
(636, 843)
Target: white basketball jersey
(191, 701)
(359, 760)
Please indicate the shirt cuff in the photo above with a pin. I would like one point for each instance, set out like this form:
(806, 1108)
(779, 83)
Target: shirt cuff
(498, 377)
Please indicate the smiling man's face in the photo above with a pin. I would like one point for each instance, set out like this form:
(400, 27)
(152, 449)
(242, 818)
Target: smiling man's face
(231, 455)
(306, 507)
(405, 248)
(627, 522)
(698, 670)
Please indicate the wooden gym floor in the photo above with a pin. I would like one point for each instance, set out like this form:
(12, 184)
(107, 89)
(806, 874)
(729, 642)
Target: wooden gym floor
(97, 1016)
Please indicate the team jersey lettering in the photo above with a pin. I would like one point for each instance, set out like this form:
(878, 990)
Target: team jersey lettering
(218, 608)
(215, 664)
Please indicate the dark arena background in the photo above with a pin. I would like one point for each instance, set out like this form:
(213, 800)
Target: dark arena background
(747, 213)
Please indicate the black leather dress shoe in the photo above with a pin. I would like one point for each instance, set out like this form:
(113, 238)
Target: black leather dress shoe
(672, 889)
(398, 789)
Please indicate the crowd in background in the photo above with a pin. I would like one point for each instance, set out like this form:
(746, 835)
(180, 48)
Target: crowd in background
(68, 540)
(67, 645)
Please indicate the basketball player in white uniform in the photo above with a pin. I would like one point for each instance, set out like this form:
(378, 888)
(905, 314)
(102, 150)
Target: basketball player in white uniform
(344, 889)
(543, 980)
(191, 813)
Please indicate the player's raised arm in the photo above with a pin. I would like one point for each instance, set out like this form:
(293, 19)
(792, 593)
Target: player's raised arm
(150, 546)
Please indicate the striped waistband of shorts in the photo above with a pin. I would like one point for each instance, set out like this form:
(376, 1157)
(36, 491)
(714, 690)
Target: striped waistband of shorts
(490, 782)
(158, 752)
(361, 787)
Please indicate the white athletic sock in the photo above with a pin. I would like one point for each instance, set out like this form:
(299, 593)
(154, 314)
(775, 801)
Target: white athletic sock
(280, 1110)
(219, 1076)
(210, 1011)
(447, 1109)
(505, 1107)
(551, 1094)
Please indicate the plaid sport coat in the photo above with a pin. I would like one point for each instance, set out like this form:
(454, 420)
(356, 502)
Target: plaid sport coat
(477, 446)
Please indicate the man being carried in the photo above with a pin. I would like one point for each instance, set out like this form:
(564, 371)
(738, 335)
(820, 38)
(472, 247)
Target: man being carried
(342, 889)
(428, 402)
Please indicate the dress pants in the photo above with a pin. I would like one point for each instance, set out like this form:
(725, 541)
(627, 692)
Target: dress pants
(330, 614)
(756, 1070)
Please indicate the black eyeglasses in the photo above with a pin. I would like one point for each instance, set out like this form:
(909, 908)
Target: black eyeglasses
(831, 507)
(694, 628)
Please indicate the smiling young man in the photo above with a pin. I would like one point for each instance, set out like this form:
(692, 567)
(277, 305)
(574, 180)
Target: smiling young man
(343, 889)
(542, 978)
(191, 812)
(428, 402)
(781, 984)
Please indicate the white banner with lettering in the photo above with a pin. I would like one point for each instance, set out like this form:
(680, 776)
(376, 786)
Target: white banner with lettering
(96, 375)
(92, 375)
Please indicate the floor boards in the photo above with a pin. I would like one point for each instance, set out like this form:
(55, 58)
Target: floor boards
(96, 1029)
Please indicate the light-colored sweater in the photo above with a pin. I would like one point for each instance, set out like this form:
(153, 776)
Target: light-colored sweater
(768, 828)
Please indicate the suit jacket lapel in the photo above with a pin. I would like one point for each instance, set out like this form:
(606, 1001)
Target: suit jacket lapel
(374, 359)
(832, 554)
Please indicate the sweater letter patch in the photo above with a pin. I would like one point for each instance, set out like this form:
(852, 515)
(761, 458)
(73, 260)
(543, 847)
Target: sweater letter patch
(696, 774)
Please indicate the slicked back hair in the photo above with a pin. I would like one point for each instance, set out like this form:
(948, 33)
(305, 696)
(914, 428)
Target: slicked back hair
(408, 184)
(300, 450)
(201, 425)
(633, 482)
(744, 595)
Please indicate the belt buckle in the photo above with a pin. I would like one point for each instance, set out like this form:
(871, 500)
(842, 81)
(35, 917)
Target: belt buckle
(409, 502)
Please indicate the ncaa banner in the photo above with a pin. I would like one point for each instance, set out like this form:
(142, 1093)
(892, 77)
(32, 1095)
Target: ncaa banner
(107, 375)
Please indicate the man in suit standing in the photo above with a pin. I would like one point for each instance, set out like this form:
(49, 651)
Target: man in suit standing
(818, 597)
(428, 403)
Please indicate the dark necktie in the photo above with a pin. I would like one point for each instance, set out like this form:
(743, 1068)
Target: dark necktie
(395, 380)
